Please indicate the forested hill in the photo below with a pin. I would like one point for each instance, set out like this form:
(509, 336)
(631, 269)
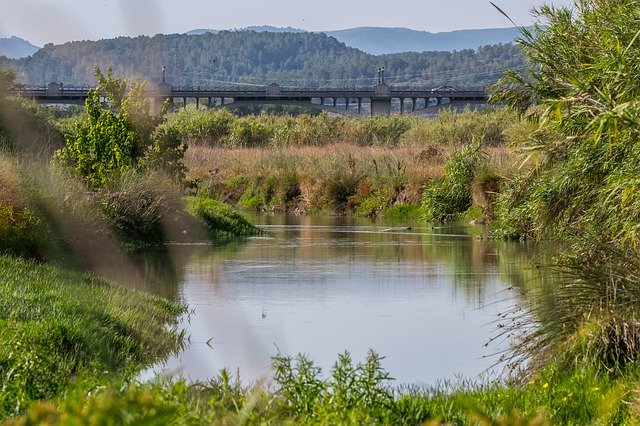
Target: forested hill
(248, 57)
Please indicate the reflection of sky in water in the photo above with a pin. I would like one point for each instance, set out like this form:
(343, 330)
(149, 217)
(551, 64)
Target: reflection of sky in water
(425, 302)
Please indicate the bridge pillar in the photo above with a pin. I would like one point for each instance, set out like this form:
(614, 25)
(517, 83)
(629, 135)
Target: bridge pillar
(381, 102)
(359, 106)
(380, 107)
(197, 103)
(162, 93)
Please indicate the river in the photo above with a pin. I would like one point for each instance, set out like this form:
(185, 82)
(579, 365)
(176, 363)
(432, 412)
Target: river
(427, 299)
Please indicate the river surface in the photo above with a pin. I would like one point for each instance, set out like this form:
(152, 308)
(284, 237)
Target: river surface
(427, 299)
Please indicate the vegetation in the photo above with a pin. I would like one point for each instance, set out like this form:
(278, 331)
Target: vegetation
(248, 57)
(582, 97)
(61, 329)
(445, 200)
(352, 394)
(221, 221)
(336, 164)
(579, 337)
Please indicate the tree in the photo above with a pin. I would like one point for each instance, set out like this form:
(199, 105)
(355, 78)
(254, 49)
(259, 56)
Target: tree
(121, 137)
(103, 147)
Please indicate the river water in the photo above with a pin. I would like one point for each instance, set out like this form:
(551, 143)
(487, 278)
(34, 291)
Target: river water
(427, 299)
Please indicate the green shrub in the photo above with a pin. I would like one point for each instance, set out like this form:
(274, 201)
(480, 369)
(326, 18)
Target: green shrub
(220, 220)
(20, 231)
(444, 200)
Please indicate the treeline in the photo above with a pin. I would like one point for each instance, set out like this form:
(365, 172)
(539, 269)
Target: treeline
(249, 57)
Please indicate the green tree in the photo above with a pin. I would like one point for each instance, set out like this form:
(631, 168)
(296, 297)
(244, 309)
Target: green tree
(122, 136)
(104, 145)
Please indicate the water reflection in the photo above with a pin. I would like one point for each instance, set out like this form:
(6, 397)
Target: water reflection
(425, 298)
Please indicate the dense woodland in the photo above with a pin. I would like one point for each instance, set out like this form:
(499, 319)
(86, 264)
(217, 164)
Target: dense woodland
(249, 57)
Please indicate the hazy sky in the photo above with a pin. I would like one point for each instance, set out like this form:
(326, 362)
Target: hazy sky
(57, 21)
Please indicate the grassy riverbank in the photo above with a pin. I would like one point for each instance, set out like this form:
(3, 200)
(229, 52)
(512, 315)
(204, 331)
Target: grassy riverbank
(354, 393)
(63, 332)
(342, 166)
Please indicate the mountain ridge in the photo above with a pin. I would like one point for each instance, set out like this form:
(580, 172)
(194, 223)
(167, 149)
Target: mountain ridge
(389, 40)
(15, 47)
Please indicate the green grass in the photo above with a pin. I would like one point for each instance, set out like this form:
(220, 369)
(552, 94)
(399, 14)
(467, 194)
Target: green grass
(353, 393)
(60, 328)
(220, 220)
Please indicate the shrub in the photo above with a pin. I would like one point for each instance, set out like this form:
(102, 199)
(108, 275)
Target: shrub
(220, 220)
(444, 200)
(20, 231)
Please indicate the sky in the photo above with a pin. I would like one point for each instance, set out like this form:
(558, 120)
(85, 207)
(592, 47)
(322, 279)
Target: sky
(59, 21)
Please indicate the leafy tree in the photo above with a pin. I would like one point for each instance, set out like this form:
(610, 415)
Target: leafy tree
(121, 137)
(104, 145)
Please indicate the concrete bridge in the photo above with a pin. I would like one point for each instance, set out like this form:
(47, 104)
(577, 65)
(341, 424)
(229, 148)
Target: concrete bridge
(381, 99)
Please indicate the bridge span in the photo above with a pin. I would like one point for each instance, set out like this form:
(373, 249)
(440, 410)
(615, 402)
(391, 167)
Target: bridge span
(377, 100)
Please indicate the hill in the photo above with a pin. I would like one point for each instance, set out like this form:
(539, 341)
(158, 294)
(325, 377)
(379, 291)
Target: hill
(378, 41)
(382, 40)
(249, 57)
(15, 47)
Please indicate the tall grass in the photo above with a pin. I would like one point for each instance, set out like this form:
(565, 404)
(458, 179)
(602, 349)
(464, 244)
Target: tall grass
(219, 128)
(580, 94)
(352, 394)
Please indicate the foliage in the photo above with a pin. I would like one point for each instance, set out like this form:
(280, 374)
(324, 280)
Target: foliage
(339, 182)
(444, 200)
(24, 126)
(581, 184)
(59, 327)
(221, 221)
(357, 394)
(19, 232)
(583, 78)
(166, 153)
(103, 147)
(135, 206)
(110, 142)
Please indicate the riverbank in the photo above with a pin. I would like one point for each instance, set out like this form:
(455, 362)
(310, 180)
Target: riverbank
(65, 333)
(345, 168)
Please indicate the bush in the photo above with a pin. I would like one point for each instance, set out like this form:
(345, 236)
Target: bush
(20, 232)
(220, 220)
(444, 200)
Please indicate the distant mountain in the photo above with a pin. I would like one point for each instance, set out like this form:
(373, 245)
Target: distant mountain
(201, 31)
(256, 28)
(15, 47)
(380, 41)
